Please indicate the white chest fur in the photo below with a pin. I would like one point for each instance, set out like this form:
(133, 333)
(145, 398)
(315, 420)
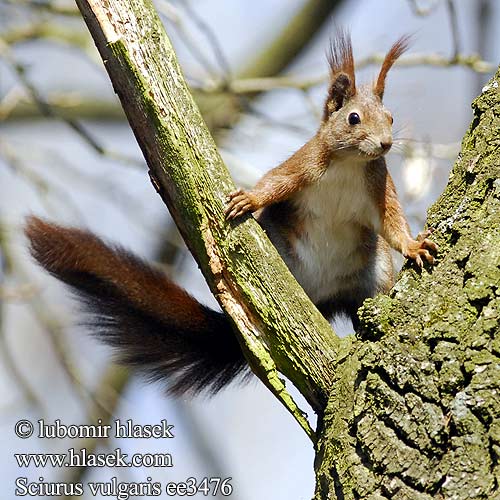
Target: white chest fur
(337, 211)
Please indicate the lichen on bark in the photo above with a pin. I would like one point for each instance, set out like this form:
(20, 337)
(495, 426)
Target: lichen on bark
(280, 331)
(414, 412)
(413, 409)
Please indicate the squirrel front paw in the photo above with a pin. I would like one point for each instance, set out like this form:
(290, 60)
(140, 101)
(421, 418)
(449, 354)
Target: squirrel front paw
(239, 203)
(419, 248)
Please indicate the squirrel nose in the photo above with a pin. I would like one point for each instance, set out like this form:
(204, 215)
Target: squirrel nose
(385, 145)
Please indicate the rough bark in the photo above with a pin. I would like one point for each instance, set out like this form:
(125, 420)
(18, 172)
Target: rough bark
(414, 413)
(412, 410)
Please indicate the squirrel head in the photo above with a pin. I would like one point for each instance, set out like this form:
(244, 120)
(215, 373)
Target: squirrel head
(355, 122)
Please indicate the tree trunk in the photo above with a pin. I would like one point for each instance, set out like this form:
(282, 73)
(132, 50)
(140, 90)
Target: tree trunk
(414, 411)
(407, 408)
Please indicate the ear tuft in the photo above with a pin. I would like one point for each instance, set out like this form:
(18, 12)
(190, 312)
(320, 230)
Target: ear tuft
(342, 78)
(395, 51)
(338, 92)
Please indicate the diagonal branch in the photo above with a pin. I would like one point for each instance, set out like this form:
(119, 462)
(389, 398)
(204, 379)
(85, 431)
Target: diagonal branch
(278, 326)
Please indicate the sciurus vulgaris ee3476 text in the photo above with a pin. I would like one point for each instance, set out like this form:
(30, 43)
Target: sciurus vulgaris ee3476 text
(331, 210)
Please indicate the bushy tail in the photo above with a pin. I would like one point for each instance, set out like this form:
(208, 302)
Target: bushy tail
(154, 325)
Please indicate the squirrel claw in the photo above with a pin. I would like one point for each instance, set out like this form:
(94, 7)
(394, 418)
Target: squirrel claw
(418, 261)
(422, 238)
(230, 196)
(239, 203)
(418, 250)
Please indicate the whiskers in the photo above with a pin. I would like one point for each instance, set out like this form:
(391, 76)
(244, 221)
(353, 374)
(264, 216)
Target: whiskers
(370, 147)
(402, 145)
(342, 146)
(405, 145)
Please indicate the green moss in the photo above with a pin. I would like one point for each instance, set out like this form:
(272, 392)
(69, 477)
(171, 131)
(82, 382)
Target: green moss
(417, 418)
(279, 327)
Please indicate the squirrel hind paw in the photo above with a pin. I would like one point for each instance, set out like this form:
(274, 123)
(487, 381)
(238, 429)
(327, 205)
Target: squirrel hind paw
(418, 250)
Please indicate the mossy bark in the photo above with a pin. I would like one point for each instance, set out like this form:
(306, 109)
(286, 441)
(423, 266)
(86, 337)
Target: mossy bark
(409, 408)
(414, 411)
(279, 327)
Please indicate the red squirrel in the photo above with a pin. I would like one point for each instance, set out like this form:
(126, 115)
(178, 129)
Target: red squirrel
(331, 210)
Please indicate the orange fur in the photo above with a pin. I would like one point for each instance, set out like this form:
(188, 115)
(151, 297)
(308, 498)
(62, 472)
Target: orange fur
(331, 209)
(69, 250)
(154, 325)
(283, 181)
(340, 57)
(342, 77)
(394, 53)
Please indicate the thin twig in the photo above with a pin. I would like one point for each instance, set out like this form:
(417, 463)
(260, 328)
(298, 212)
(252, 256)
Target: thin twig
(422, 11)
(455, 35)
(211, 37)
(6, 267)
(49, 30)
(48, 111)
(38, 182)
(254, 85)
(168, 11)
(45, 5)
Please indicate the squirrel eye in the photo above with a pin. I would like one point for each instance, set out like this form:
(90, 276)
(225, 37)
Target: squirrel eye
(354, 119)
(392, 120)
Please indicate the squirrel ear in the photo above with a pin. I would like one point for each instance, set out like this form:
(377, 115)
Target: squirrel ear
(395, 51)
(340, 90)
(342, 79)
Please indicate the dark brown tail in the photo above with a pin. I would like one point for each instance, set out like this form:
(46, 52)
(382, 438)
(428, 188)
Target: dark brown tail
(154, 325)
